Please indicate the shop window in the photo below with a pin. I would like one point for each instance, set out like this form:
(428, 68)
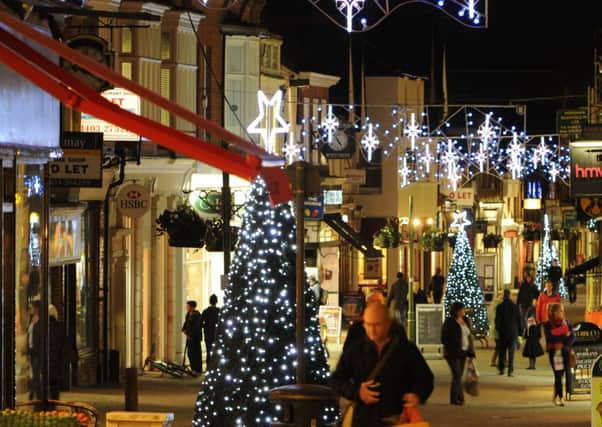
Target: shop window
(126, 70)
(166, 93)
(126, 40)
(165, 46)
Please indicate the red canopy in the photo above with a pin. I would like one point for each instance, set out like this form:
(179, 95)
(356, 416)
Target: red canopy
(77, 95)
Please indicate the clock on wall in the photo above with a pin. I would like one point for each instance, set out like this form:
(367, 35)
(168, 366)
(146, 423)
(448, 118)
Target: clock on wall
(341, 146)
(97, 49)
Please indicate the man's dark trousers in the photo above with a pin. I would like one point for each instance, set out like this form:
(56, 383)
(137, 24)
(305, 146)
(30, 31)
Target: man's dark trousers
(503, 348)
(194, 355)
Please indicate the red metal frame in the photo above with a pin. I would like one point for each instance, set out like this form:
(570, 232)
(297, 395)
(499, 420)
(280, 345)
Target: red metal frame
(77, 95)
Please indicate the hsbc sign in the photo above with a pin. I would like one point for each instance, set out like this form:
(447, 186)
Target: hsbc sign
(133, 200)
(586, 168)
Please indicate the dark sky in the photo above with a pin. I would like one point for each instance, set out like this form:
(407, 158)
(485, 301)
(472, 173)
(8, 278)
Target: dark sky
(532, 48)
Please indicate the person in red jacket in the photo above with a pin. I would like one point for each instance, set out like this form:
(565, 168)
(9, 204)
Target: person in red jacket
(548, 296)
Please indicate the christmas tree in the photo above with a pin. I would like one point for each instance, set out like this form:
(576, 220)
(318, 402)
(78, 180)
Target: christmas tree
(463, 283)
(544, 262)
(255, 347)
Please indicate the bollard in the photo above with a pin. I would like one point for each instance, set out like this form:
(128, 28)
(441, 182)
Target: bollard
(131, 389)
(302, 404)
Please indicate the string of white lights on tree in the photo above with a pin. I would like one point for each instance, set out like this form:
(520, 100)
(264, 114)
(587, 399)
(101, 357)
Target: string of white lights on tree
(364, 15)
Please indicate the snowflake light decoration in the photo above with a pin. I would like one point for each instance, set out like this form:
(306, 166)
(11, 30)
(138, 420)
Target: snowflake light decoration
(370, 142)
(541, 153)
(412, 130)
(460, 220)
(481, 158)
(427, 158)
(330, 124)
(449, 157)
(291, 150)
(404, 172)
(269, 122)
(486, 133)
(554, 172)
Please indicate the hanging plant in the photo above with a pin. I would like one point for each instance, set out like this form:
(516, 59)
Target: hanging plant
(183, 226)
(492, 240)
(432, 240)
(215, 236)
(388, 236)
(531, 231)
(451, 239)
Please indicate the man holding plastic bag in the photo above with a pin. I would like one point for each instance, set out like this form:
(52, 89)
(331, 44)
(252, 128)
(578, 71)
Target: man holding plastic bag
(383, 375)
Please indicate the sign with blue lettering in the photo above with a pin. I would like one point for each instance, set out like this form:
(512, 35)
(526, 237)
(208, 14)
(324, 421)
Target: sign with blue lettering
(313, 208)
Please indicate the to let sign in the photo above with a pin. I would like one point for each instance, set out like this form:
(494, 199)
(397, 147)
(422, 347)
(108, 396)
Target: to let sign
(125, 99)
(81, 165)
(462, 197)
(586, 168)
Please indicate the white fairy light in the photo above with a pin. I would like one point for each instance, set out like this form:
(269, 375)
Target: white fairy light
(370, 142)
(460, 220)
(412, 130)
(404, 172)
(450, 158)
(486, 133)
(515, 151)
(481, 158)
(427, 158)
(330, 124)
(554, 172)
(350, 8)
(541, 152)
(454, 178)
(269, 122)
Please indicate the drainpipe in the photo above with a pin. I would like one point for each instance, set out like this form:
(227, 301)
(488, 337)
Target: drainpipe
(105, 268)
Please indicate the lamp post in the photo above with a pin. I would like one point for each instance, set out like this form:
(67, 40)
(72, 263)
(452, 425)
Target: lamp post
(411, 319)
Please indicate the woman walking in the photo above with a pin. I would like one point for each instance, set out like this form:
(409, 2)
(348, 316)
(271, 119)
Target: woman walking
(458, 344)
(532, 348)
(559, 339)
(548, 296)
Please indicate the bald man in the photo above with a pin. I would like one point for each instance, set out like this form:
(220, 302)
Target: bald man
(404, 379)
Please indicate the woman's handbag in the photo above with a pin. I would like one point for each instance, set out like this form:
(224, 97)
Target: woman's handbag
(347, 419)
(471, 378)
(572, 358)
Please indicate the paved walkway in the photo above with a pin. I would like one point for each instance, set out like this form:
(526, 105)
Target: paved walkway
(524, 400)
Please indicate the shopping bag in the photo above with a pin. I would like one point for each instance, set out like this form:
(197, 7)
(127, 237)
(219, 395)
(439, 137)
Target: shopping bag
(410, 417)
(471, 378)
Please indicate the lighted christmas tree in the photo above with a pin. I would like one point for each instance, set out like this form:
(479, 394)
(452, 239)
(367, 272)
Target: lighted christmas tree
(544, 262)
(255, 347)
(462, 281)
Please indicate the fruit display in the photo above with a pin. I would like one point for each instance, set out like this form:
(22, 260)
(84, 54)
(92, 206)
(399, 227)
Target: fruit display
(12, 418)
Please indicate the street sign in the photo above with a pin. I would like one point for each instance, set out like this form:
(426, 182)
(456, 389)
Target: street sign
(570, 123)
(81, 164)
(429, 321)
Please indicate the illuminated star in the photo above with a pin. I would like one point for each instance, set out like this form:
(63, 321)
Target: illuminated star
(515, 150)
(553, 172)
(412, 130)
(481, 158)
(370, 142)
(486, 132)
(460, 220)
(427, 158)
(541, 152)
(330, 124)
(404, 172)
(269, 122)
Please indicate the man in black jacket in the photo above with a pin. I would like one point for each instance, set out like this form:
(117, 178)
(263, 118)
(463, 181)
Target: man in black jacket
(192, 330)
(404, 379)
(555, 274)
(508, 326)
(209, 320)
(526, 294)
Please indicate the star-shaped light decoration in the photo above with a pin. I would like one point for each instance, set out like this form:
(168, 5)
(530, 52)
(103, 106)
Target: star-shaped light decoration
(330, 124)
(291, 150)
(460, 220)
(449, 157)
(486, 132)
(454, 179)
(412, 130)
(269, 122)
(370, 142)
(554, 172)
(427, 158)
(541, 152)
(515, 152)
(481, 158)
(404, 172)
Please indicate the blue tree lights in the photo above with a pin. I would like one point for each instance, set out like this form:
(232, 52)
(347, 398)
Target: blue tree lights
(255, 347)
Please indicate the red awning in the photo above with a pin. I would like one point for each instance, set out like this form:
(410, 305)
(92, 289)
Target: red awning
(77, 95)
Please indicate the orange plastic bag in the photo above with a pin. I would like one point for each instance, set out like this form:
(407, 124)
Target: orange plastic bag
(411, 417)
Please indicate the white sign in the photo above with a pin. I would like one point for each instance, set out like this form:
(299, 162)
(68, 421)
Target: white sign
(126, 100)
(355, 176)
(133, 200)
(462, 196)
(331, 315)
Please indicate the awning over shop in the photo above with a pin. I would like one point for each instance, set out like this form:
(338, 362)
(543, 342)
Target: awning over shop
(335, 221)
(247, 162)
(584, 267)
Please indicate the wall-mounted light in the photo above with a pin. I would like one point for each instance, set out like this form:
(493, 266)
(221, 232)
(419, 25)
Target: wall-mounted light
(532, 204)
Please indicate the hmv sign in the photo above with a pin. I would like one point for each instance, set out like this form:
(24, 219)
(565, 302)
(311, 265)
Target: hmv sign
(586, 168)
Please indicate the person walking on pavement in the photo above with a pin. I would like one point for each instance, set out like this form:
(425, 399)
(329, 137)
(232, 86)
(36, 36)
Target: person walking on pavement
(209, 320)
(458, 344)
(555, 273)
(194, 335)
(571, 281)
(35, 350)
(526, 294)
(559, 339)
(419, 295)
(436, 286)
(509, 327)
(403, 378)
(56, 358)
(546, 297)
(398, 295)
(532, 348)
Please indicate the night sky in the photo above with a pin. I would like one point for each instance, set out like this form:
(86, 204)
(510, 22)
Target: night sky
(532, 49)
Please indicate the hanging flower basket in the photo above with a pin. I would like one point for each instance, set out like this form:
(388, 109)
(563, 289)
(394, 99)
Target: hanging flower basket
(183, 226)
(388, 236)
(215, 236)
(492, 240)
(451, 239)
(432, 240)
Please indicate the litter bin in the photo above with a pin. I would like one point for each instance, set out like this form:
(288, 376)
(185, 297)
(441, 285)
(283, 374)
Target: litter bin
(596, 394)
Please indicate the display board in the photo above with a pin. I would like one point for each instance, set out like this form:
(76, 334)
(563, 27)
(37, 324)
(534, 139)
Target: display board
(587, 348)
(331, 316)
(429, 320)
